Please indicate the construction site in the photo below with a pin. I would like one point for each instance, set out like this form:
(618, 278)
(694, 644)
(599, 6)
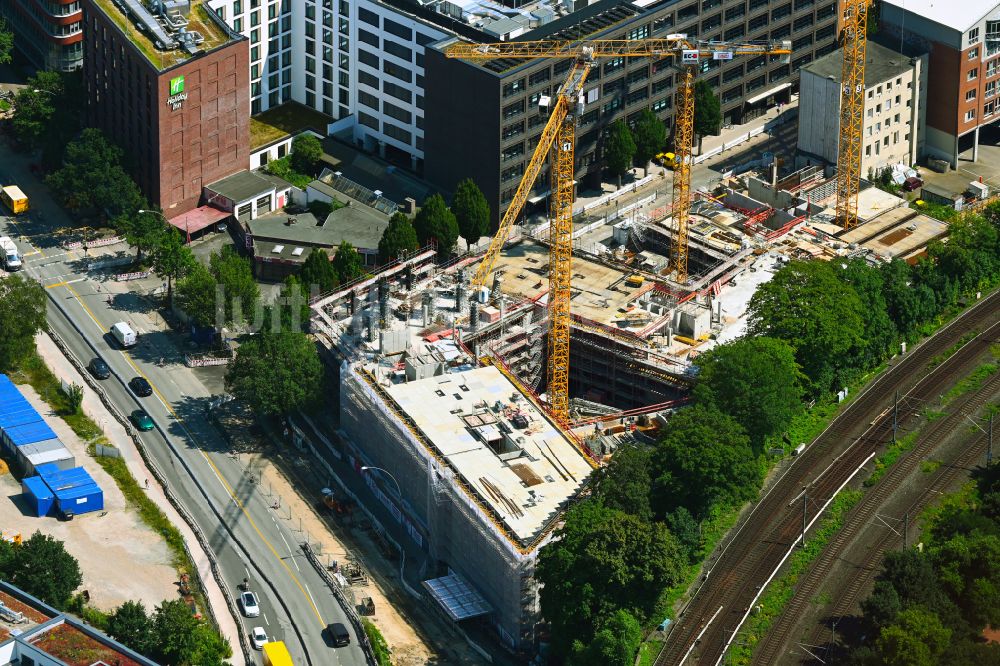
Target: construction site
(490, 386)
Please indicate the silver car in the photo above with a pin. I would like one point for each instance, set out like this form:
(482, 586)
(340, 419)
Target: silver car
(248, 600)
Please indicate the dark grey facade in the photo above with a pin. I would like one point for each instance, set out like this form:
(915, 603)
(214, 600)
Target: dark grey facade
(482, 120)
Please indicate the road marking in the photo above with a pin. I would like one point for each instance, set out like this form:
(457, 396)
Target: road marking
(266, 621)
(291, 555)
(57, 284)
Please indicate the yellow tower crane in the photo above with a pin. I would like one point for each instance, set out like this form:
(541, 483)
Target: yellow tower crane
(558, 137)
(852, 110)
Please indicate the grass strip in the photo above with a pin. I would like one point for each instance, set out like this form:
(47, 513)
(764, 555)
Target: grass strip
(780, 591)
(648, 652)
(971, 383)
(34, 372)
(893, 452)
(379, 646)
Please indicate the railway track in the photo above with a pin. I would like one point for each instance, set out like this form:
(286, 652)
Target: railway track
(772, 647)
(705, 627)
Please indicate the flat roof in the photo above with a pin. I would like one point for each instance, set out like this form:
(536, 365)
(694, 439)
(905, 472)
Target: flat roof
(958, 16)
(76, 647)
(242, 186)
(200, 19)
(527, 491)
(359, 225)
(281, 121)
(899, 232)
(881, 64)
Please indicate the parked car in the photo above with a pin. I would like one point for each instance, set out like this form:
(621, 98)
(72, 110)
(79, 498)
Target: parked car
(142, 420)
(258, 637)
(248, 600)
(912, 184)
(141, 387)
(99, 369)
(339, 634)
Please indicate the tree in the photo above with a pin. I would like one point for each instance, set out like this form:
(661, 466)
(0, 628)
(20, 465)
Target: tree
(471, 211)
(619, 149)
(240, 291)
(91, 178)
(806, 305)
(685, 528)
(908, 303)
(143, 231)
(294, 310)
(603, 561)
(306, 153)
(22, 315)
(41, 567)
(615, 644)
(174, 628)
(436, 222)
(6, 43)
(318, 272)
(197, 297)
(35, 106)
(916, 638)
(755, 380)
(347, 263)
(132, 627)
(650, 136)
(707, 110)
(624, 484)
(210, 647)
(398, 239)
(704, 458)
(882, 605)
(171, 259)
(879, 334)
(276, 373)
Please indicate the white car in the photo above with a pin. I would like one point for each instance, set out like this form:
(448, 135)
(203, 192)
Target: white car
(249, 602)
(258, 637)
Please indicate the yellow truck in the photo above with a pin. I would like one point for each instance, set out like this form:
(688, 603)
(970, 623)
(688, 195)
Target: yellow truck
(668, 160)
(276, 654)
(14, 199)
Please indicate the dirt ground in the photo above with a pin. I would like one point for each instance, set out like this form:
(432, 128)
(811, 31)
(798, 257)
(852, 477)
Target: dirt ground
(120, 558)
(407, 647)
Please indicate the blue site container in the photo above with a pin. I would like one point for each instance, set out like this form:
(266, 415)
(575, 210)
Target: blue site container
(38, 496)
(74, 489)
(28, 433)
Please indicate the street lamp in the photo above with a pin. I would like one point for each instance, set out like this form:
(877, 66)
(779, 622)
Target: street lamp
(399, 493)
(187, 232)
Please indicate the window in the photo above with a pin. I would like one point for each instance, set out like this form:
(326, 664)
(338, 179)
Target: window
(397, 50)
(368, 16)
(367, 79)
(398, 29)
(970, 95)
(514, 109)
(973, 36)
(399, 92)
(970, 115)
(368, 99)
(368, 38)
(394, 111)
(513, 87)
(401, 73)
(989, 108)
(641, 32)
(613, 65)
(990, 90)
(367, 58)
(424, 40)
(368, 120)
(973, 53)
(973, 74)
(540, 76)
(512, 130)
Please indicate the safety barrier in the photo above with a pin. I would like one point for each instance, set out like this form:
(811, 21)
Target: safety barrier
(100, 242)
(192, 361)
(138, 275)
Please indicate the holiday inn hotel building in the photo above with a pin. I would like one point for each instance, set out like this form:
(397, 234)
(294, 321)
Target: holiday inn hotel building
(171, 89)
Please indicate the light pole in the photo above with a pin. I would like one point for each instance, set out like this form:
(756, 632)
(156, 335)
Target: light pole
(399, 493)
(187, 232)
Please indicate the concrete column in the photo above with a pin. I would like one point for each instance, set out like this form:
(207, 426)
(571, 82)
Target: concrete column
(975, 145)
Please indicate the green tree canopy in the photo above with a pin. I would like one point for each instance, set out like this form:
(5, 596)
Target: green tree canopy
(704, 458)
(707, 109)
(171, 258)
(91, 178)
(276, 373)
(6, 43)
(615, 644)
(131, 626)
(624, 484)
(650, 137)
(22, 315)
(399, 238)
(471, 211)
(916, 638)
(806, 305)
(175, 629)
(294, 313)
(348, 263)
(143, 231)
(434, 221)
(196, 295)
(909, 303)
(879, 333)
(318, 271)
(41, 566)
(240, 291)
(35, 106)
(603, 561)
(755, 380)
(619, 149)
(306, 153)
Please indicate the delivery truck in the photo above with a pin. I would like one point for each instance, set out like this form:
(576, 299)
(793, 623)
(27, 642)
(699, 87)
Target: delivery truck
(14, 199)
(276, 654)
(9, 257)
(124, 334)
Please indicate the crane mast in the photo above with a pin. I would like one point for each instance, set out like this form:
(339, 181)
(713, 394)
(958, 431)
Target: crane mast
(852, 111)
(557, 142)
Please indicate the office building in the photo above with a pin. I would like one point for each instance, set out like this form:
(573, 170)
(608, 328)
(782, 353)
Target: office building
(894, 108)
(963, 45)
(168, 82)
(48, 32)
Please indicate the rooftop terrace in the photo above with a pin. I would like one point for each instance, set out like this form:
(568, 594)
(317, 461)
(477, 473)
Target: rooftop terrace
(74, 647)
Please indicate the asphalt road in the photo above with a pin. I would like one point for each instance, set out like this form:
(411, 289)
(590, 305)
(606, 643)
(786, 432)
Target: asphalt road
(248, 538)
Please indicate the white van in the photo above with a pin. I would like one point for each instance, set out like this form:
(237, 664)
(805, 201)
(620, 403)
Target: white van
(123, 334)
(8, 254)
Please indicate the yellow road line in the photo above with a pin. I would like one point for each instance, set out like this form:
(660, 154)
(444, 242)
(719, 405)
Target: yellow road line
(57, 284)
(166, 403)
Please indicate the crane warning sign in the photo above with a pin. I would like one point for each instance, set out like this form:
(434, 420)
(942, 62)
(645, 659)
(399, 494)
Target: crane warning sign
(689, 56)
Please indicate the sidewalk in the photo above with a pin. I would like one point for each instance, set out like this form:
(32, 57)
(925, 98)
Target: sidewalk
(118, 437)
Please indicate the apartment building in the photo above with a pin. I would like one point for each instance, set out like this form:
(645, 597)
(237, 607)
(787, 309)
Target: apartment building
(895, 104)
(48, 32)
(170, 86)
(483, 119)
(963, 45)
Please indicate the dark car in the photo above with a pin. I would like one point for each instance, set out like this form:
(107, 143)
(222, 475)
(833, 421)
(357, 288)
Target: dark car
(339, 634)
(142, 420)
(99, 369)
(141, 387)
(912, 184)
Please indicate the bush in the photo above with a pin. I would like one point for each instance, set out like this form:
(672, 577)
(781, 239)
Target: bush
(379, 646)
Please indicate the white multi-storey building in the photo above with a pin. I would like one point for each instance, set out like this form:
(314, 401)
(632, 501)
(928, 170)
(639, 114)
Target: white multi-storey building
(360, 63)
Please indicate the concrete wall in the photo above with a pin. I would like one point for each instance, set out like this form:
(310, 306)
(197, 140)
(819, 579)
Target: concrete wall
(819, 116)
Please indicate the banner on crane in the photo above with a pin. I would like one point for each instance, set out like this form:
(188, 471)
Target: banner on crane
(722, 55)
(689, 56)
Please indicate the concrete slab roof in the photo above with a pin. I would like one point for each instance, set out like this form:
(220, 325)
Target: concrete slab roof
(881, 64)
(359, 225)
(242, 186)
(897, 233)
(527, 491)
(957, 16)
